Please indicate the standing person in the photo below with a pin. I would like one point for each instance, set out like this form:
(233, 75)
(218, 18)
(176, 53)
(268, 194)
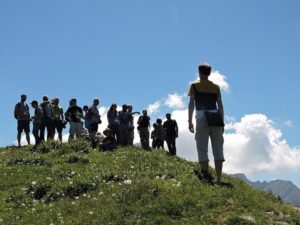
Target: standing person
(206, 97)
(143, 127)
(37, 122)
(47, 119)
(114, 121)
(86, 117)
(22, 115)
(95, 119)
(171, 131)
(131, 124)
(160, 134)
(57, 118)
(124, 125)
(74, 115)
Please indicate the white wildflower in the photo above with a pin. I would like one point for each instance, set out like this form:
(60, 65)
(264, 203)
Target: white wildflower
(73, 173)
(33, 183)
(101, 193)
(84, 195)
(71, 182)
(127, 182)
(91, 212)
(73, 203)
(132, 167)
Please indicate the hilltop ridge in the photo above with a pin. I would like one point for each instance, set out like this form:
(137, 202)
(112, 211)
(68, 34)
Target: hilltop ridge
(74, 184)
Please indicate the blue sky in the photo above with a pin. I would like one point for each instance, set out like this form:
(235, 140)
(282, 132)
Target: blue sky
(141, 51)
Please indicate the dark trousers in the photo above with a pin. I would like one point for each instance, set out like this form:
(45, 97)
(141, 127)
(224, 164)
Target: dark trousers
(47, 123)
(157, 143)
(171, 142)
(36, 132)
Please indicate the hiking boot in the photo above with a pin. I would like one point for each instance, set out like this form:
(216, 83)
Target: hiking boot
(207, 177)
(204, 176)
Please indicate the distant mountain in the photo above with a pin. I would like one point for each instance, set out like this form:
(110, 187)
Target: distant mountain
(287, 191)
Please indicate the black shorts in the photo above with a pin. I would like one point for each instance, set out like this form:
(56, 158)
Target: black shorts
(23, 125)
(94, 127)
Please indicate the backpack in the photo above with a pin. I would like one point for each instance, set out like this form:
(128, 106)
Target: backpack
(19, 110)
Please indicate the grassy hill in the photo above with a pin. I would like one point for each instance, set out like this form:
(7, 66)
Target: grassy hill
(73, 184)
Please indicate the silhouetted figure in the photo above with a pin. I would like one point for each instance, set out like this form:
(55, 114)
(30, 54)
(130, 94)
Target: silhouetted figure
(57, 118)
(95, 120)
(46, 120)
(206, 97)
(114, 121)
(109, 142)
(124, 125)
(143, 127)
(131, 124)
(158, 135)
(74, 115)
(171, 132)
(37, 121)
(22, 115)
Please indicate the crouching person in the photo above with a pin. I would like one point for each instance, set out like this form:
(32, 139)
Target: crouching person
(37, 121)
(109, 142)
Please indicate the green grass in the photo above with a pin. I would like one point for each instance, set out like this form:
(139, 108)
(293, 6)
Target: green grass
(74, 184)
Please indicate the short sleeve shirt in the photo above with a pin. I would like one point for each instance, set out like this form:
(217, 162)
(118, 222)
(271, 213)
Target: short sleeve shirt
(206, 94)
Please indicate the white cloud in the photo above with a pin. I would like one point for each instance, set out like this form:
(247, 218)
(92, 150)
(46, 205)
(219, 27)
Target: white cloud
(256, 145)
(153, 108)
(174, 101)
(252, 145)
(220, 80)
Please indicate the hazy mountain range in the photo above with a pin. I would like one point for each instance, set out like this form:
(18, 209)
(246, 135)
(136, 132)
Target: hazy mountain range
(287, 191)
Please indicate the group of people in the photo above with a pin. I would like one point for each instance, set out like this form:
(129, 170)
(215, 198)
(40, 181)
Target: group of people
(205, 96)
(84, 123)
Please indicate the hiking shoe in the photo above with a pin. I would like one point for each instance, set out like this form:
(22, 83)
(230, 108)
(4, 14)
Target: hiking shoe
(207, 177)
(204, 176)
(224, 184)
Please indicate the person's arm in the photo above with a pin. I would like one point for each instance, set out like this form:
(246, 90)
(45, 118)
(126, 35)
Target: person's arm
(176, 128)
(16, 111)
(220, 106)
(190, 113)
(62, 114)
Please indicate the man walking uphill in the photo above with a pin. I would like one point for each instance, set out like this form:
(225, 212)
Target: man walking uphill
(22, 115)
(206, 97)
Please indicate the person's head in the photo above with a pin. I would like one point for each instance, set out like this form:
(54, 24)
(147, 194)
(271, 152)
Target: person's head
(55, 101)
(155, 125)
(45, 98)
(107, 132)
(168, 116)
(34, 104)
(113, 107)
(159, 121)
(96, 102)
(145, 112)
(85, 108)
(129, 108)
(124, 107)
(204, 69)
(23, 98)
(73, 102)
